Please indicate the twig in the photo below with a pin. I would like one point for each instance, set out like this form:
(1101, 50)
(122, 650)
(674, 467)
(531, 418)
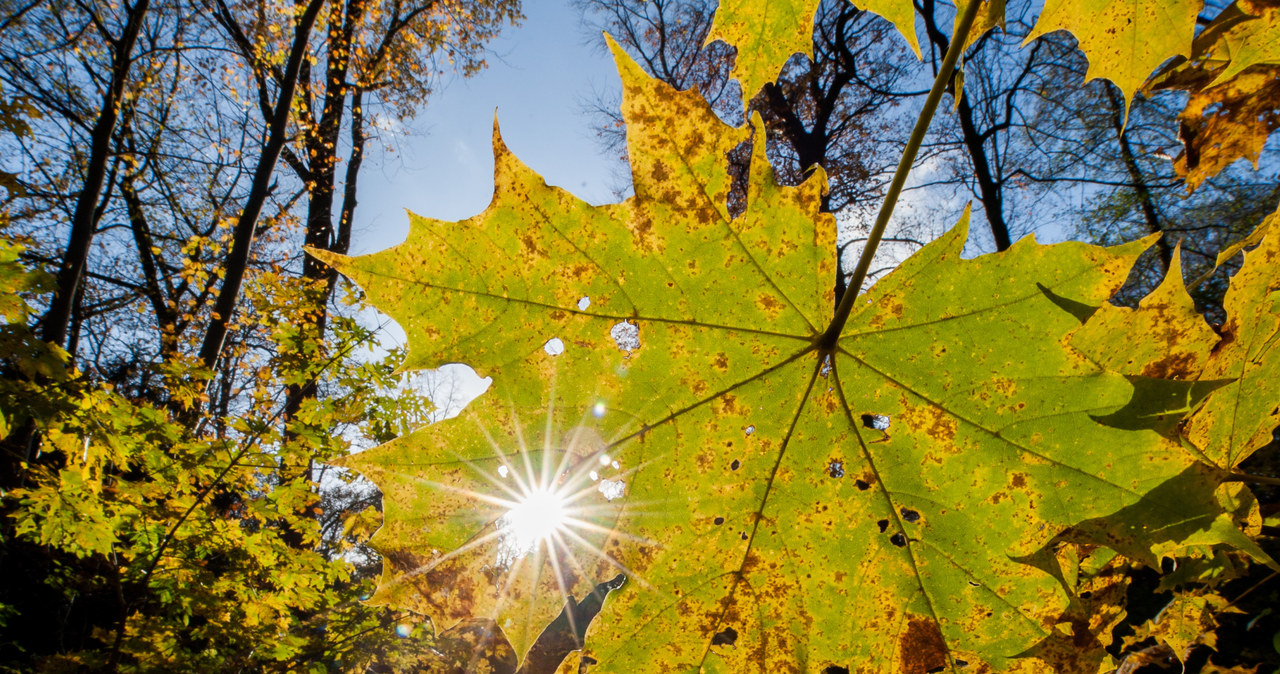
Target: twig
(827, 341)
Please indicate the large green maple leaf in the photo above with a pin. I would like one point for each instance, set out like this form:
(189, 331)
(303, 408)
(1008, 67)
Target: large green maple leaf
(777, 504)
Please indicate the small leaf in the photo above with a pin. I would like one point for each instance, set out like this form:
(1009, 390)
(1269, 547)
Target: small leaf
(1253, 40)
(765, 34)
(1125, 40)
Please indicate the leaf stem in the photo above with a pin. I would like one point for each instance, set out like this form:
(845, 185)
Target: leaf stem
(827, 341)
(1255, 479)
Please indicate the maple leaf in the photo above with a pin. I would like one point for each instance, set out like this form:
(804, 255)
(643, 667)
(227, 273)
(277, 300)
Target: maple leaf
(779, 504)
(1238, 361)
(766, 35)
(1188, 620)
(1236, 420)
(1234, 79)
(1232, 121)
(1124, 39)
(1244, 35)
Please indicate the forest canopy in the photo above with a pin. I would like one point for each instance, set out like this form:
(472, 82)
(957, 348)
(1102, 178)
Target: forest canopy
(773, 411)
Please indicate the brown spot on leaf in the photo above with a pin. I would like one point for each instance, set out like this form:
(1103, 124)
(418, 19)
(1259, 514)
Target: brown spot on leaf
(921, 648)
(1173, 366)
(769, 303)
(932, 420)
(531, 246)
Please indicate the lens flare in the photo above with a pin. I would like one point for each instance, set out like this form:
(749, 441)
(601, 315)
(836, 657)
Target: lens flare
(546, 505)
(533, 520)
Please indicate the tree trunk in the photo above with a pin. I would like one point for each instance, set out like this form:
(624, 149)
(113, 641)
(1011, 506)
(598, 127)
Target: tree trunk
(246, 226)
(1140, 187)
(84, 217)
(990, 190)
(322, 150)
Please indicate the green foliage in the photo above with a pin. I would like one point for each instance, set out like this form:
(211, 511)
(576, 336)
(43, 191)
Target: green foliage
(222, 556)
(944, 483)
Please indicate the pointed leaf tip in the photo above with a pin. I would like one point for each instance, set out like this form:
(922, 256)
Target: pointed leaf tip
(336, 260)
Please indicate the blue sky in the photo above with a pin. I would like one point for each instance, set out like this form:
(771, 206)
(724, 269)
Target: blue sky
(539, 76)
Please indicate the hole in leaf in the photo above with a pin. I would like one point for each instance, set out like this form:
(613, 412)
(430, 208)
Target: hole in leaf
(726, 637)
(974, 584)
(1086, 594)
(626, 335)
(863, 485)
(835, 469)
(744, 535)
(939, 668)
(611, 489)
(909, 515)
(878, 422)
(584, 303)
(898, 539)
(735, 464)
(835, 669)
(883, 524)
(718, 521)
(554, 346)
(750, 429)
(961, 663)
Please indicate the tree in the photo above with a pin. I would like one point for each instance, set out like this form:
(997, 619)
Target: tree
(159, 521)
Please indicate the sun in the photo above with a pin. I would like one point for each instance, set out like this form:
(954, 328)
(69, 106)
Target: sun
(534, 519)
